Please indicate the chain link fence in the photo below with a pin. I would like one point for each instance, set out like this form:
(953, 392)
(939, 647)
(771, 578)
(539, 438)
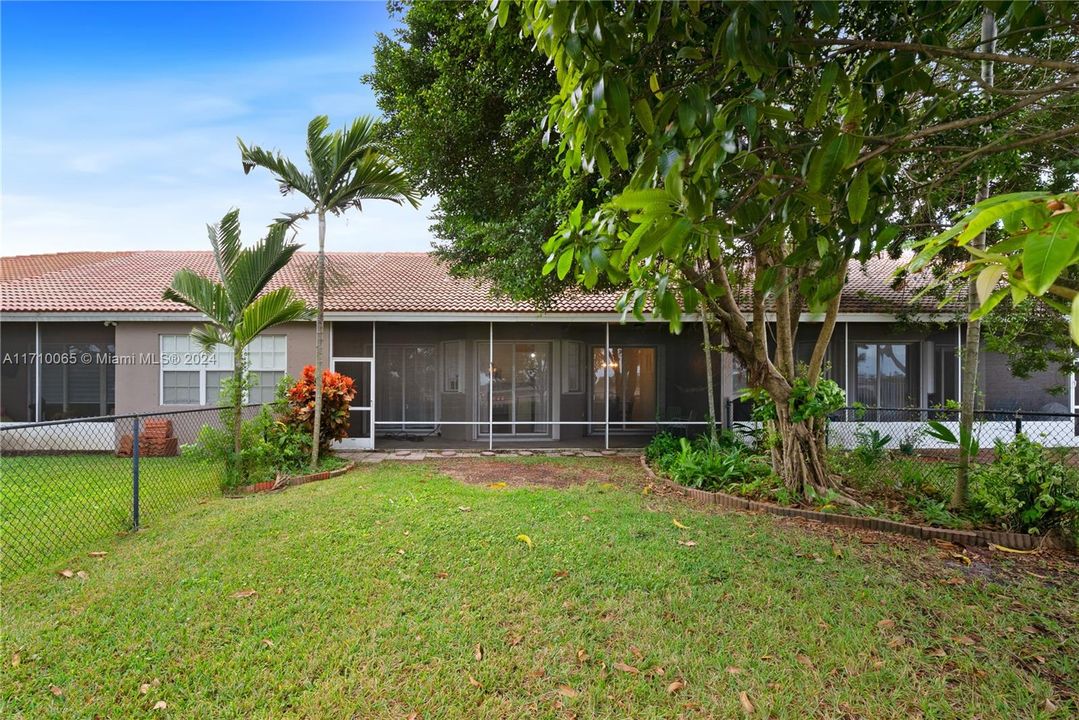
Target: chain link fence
(918, 447)
(67, 484)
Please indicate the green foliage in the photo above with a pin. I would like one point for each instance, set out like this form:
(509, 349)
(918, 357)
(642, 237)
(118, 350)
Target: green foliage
(722, 464)
(967, 438)
(1027, 488)
(872, 445)
(338, 390)
(460, 107)
(1041, 245)
(815, 401)
(661, 444)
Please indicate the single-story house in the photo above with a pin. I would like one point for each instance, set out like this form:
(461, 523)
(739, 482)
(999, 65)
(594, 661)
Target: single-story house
(440, 362)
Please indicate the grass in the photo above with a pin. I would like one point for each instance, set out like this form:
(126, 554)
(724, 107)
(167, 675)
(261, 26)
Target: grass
(375, 589)
(53, 505)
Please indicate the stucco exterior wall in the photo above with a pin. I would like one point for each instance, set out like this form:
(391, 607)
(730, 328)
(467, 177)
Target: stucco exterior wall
(138, 383)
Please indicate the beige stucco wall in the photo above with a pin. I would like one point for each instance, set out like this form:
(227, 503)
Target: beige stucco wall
(138, 384)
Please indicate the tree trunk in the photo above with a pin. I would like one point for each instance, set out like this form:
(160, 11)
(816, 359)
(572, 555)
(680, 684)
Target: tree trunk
(710, 383)
(972, 346)
(321, 301)
(237, 399)
(799, 455)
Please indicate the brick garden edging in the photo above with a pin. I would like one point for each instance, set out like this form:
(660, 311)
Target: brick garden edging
(288, 481)
(1018, 541)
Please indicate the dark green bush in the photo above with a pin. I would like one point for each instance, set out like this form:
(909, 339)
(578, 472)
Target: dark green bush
(1027, 488)
(713, 464)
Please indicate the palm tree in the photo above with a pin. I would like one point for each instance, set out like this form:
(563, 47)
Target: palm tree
(347, 167)
(239, 307)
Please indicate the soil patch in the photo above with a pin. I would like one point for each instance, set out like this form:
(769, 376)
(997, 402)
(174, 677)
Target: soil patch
(545, 472)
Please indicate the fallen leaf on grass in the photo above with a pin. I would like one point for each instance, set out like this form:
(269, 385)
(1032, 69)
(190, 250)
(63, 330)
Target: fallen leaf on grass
(805, 660)
(464, 508)
(515, 640)
(897, 642)
(679, 525)
(734, 670)
(56, 690)
(936, 652)
(474, 682)
(625, 668)
(688, 543)
(240, 594)
(160, 705)
(97, 554)
(837, 551)
(66, 574)
(582, 656)
(144, 688)
(526, 540)
(412, 716)
(1001, 548)
(675, 687)
(961, 558)
(15, 660)
(478, 652)
(1030, 630)
(567, 691)
(886, 624)
(496, 485)
(400, 551)
(658, 671)
(636, 652)
(267, 642)
(747, 706)
(1050, 706)
(442, 575)
(82, 575)
(561, 574)
(965, 640)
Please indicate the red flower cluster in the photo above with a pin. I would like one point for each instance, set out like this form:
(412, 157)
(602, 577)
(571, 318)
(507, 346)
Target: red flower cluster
(337, 393)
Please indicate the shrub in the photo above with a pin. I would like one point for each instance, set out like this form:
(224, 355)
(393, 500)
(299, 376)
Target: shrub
(337, 393)
(1027, 489)
(872, 446)
(715, 465)
(664, 443)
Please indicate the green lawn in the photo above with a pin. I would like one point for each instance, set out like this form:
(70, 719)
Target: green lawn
(53, 505)
(374, 591)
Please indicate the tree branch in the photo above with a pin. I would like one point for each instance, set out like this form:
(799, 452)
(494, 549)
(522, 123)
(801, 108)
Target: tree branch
(932, 50)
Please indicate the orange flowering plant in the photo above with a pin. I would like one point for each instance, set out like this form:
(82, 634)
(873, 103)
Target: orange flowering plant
(337, 393)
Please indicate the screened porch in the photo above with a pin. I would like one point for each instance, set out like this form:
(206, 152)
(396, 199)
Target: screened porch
(434, 385)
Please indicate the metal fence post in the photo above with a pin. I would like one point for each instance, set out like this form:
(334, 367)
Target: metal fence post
(728, 416)
(1018, 423)
(135, 473)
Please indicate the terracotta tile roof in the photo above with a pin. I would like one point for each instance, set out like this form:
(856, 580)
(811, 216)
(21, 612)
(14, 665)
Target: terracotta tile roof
(17, 267)
(357, 282)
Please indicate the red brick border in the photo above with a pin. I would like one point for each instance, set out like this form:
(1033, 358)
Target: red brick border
(283, 481)
(1019, 541)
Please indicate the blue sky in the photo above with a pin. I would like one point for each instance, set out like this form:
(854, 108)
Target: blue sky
(119, 120)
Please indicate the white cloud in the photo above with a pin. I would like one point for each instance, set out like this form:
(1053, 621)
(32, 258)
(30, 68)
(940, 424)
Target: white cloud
(146, 164)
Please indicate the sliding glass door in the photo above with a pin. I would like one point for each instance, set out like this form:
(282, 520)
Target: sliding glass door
(406, 391)
(624, 388)
(516, 393)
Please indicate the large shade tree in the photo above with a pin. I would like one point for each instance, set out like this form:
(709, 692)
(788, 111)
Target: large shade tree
(750, 151)
(237, 305)
(346, 168)
(459, 110)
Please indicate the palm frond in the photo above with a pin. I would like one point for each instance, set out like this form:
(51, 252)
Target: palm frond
(273, 308)
(374, 178)
(225, 241)
(320, 152)
(358, 140)
(255, 266)
(209, 337)
(200, 293)
(288, 176)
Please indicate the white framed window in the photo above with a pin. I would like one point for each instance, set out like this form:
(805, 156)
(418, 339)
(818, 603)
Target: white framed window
(267, 359)
(453, 363)
(572, 354)
(192, 376)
